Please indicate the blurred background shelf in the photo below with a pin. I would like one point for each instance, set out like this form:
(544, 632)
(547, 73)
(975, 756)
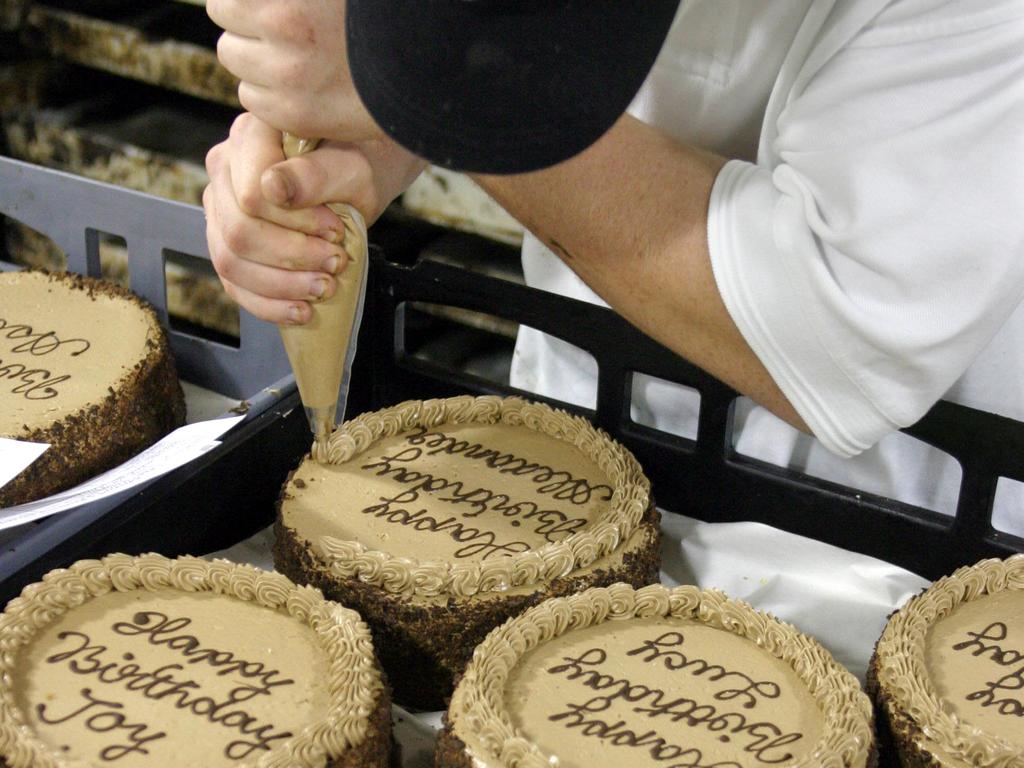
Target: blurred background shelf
(167, 44)
(132, 94)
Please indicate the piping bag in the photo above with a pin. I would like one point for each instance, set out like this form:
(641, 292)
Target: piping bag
(322, 350)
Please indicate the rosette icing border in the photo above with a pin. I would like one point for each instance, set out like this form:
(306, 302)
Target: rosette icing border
(354, 681)
(478, 705)
(431, 578)
(903, 674)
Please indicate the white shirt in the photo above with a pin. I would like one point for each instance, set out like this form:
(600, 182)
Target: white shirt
(867, 238)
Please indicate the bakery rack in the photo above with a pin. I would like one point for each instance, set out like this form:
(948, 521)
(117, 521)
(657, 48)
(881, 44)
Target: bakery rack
(229, 493)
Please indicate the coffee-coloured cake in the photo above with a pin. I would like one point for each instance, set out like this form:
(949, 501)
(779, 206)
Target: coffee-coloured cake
(155, 662)
(654, 677)
(947, 675)
(438, 520)
(84, 366)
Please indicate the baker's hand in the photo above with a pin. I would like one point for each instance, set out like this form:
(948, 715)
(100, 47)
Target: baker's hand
(291, 59)
(273, 242)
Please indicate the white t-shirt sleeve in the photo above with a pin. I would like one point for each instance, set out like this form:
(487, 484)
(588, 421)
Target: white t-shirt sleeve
(880, 244)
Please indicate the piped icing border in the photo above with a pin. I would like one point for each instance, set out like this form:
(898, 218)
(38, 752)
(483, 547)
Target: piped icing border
(430, 578)
(353, 686)
(903, 674)
(847, 736)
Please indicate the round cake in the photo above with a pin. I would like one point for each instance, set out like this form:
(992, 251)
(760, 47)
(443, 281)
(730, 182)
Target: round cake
(438, 520)
(85, 367)
(948, 672)
(654, 677)
(155, 662)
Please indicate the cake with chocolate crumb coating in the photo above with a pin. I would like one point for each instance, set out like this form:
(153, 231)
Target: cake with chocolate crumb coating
(438, 520)
(86, 367)
(947, 674)
(654, 677)
(147, 661)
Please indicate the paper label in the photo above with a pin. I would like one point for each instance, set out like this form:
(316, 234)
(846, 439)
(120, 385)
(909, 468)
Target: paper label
(176, 449)
(15, 456)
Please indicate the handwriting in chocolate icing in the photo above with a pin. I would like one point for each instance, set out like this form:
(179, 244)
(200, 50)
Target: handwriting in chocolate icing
(676, 660)
(35, 383)
(993, 694)
(38, 343)
(552, 524)
(105, 719)
(762, 739)
(474, 541)
(166, 683)
(159, 629)
(558, 484)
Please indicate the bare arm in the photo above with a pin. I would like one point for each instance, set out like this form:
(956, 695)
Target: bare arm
(629, 216)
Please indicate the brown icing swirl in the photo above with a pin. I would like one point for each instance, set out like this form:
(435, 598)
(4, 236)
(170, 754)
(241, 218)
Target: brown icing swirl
(629, 502)
(479, 707)
(353, 685)
(903, 672)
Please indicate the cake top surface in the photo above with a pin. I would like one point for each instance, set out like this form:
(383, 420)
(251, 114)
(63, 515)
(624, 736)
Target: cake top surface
(952, 659)
(65, 342)
(657, 676)
(154, 662)
(465, 496)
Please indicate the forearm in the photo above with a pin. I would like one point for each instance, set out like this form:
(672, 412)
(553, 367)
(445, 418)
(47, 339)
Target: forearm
(629, 216)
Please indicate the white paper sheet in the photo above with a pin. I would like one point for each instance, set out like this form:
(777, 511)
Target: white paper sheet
(16, 455)
(839, 597)
(176, 449)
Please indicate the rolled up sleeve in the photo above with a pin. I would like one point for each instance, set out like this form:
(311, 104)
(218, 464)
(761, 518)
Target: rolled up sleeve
(878, 244)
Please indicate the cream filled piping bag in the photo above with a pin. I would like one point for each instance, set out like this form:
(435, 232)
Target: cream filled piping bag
(321, 351)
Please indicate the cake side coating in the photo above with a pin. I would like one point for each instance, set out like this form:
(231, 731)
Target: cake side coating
(354, 729)
(479, 714)
(145, 405)
(896, 732)
(450, 751)
(924, 728)
(425, 645)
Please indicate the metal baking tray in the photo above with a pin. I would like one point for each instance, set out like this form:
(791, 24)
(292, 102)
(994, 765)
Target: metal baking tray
(229, 493)
(167, 44)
